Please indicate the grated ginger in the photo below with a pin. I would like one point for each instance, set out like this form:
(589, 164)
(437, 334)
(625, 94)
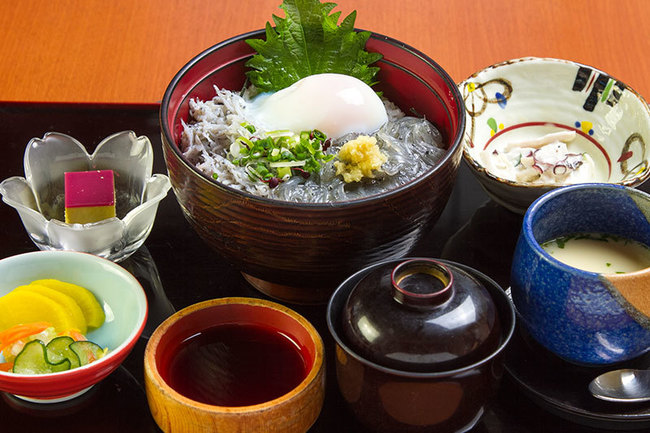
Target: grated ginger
(359, 158)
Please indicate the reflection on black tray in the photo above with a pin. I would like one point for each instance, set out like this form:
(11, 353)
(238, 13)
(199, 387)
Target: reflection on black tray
(561, 387)
(186, 271)
(487, 242)
(117, 404)
(143, 267)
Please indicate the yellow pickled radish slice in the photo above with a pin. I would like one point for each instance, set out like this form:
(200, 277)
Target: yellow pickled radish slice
(24, 306)
(90, 307)
(67, 303)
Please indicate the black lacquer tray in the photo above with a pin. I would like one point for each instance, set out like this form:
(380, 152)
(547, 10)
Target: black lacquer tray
(177, 269)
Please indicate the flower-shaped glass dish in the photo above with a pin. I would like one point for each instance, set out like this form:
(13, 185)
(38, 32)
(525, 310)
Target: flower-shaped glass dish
(39, 196)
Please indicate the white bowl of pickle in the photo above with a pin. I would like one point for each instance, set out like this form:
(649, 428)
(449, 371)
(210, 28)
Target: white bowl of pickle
(67, 320)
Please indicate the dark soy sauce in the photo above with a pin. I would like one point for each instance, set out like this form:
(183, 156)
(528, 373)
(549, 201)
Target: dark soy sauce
(236, 365)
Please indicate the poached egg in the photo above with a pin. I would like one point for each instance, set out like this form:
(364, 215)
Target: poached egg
(335, 104)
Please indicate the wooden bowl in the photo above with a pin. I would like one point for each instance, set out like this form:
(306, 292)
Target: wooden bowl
(293, 412)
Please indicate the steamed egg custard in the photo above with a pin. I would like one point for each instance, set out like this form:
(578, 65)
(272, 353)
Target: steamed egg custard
(335, 104)
(599, 252)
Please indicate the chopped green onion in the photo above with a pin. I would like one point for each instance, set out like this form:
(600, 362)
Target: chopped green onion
(245, 142)
(284, 173)
(235, 149)
(279, 133)
(287, 164)
(250, 128)
(272, 155)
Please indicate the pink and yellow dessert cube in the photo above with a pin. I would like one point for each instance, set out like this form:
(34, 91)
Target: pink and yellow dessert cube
(89, 196)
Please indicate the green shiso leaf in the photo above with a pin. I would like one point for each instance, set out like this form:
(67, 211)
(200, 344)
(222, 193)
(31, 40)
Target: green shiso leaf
(309, 41)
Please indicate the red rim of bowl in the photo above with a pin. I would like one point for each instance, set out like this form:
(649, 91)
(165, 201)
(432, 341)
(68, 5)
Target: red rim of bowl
(455, 144)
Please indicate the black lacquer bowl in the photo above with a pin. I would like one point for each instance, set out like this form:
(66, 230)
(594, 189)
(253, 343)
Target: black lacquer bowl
(389, 399)
(300, 252)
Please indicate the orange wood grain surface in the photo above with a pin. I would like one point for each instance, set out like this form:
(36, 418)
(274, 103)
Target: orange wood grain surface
(127, 51)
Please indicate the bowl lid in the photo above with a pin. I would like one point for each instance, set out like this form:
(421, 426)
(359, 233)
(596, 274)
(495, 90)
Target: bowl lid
(421, 315)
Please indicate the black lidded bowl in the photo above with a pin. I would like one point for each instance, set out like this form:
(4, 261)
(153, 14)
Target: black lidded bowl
(388, 399)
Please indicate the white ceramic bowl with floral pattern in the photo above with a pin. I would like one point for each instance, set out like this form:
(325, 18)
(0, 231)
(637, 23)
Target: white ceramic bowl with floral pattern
(524, 99)
(39, 196)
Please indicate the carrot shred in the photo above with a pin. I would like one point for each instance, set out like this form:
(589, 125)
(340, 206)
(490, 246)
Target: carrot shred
(34, 327)
(18, 332)
(6, 366)
(74, 334)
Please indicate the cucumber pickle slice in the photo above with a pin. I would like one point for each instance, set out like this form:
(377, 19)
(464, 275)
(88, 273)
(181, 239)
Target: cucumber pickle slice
(33, 359)
(59, 349)
(60, 354)
(87, 351)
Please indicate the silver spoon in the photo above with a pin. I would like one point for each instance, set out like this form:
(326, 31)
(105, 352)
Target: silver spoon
(625, 386)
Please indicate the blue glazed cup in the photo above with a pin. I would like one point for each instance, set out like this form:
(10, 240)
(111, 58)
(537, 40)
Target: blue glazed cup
(583, 317)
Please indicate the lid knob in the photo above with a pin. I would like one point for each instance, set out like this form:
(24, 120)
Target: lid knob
(421, 283)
